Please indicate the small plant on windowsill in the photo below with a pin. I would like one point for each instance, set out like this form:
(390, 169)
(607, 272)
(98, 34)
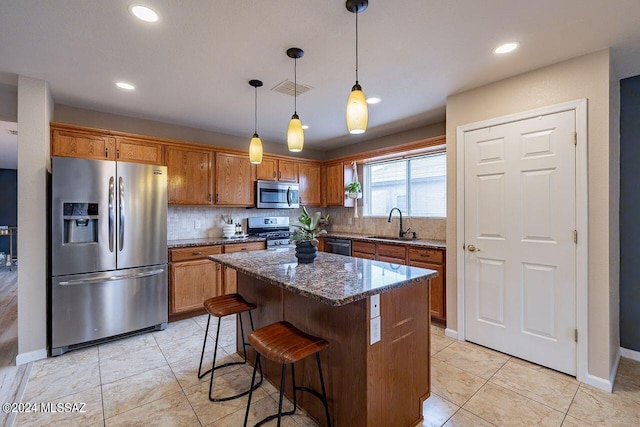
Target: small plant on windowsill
(354, 190)
(305, 236)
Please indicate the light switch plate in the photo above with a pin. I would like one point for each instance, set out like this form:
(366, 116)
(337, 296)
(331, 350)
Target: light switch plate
(197, 224)
(375, 305)
(374, 333)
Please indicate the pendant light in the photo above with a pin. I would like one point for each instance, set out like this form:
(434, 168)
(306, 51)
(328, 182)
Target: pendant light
(357, 109)
(295, 134)
(255, 146)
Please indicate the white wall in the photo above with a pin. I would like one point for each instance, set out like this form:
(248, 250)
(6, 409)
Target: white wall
(35, 111)
(588, 77)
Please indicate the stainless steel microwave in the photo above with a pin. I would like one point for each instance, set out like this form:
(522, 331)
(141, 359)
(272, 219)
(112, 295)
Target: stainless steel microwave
(277, 195)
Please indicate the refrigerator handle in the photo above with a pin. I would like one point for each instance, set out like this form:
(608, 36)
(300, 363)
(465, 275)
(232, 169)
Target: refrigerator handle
(110, 278)
(121, 210)
(111, 212)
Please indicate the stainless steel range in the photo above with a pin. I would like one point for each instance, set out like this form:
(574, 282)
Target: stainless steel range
(274, 228)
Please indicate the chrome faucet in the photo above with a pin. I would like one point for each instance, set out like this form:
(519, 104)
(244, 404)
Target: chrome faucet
(401, 233)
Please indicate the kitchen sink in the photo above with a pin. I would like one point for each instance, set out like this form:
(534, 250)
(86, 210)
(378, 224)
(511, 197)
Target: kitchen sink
(391, 238)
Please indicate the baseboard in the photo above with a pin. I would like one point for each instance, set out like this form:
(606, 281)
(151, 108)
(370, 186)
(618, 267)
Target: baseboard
(31, 356)
(451, 333)
(601, 383)
(630, 354)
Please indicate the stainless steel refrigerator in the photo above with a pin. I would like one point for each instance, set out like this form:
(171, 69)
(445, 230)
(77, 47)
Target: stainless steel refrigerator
(108, 251)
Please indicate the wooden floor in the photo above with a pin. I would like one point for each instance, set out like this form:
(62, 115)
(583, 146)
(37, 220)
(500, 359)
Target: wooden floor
(12, 378)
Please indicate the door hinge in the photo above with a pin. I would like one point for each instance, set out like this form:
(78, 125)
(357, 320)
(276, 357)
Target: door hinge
(217, 197)
(209, 197)
(575, 335)
(575, 138)
(106, 152)
(575, 236)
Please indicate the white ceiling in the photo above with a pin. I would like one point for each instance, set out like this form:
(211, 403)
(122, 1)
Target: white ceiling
(192, 67)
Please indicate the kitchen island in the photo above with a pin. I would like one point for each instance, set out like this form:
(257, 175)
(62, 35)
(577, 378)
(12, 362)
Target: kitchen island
(369, 382)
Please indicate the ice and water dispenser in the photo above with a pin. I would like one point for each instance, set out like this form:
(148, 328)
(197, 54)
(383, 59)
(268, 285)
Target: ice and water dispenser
(80, 223)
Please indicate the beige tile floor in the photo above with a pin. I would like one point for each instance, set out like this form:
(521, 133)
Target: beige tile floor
(152, 379)
(475, 386)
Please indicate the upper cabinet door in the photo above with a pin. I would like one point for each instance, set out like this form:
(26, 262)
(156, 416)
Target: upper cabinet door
(138, 151)
(267, 170)
(338, 176)
(310, 187)
(82, 145)
(234, 184)
(189, 173)
(287, 171)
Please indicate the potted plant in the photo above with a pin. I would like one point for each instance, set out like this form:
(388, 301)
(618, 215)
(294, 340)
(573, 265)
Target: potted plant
(354, 190)
(305, 236)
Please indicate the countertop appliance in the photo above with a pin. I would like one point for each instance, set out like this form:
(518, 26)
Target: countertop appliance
(277, 195)
(108, 251)
(337, 246)
(274, 228)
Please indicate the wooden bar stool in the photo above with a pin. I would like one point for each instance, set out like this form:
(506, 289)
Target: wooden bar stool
(220, 307)
(282, 343)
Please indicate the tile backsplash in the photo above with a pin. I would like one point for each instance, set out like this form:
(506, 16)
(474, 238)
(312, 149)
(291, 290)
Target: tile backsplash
(181, 222)
(181, 219)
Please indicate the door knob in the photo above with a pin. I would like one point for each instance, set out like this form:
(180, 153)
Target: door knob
(472, 248)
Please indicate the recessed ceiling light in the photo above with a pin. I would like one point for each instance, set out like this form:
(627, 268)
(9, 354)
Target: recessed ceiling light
(125, 85)
(143, 13)
(305, 126)
(373, 100)
(506, 48)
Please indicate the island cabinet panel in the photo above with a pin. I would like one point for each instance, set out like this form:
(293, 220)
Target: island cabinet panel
(189, 176)
(85, 145)
(383, 384)
(138, 151)
(229, 275)
(234, 183)
(338, 175)
(193, 278)
(310, 184)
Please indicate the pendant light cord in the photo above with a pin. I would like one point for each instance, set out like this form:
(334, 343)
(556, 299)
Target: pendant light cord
(255, 111)
(295, 86)
(356, 47)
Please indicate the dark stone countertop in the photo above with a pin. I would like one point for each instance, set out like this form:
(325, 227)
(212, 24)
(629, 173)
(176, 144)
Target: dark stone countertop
(209, 241)
(434, 244)
(332, 279)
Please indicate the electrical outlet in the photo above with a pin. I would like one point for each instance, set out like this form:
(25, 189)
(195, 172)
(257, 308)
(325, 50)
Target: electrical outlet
(197, 224)
(349, 221)
(374, 330)
(375, 305)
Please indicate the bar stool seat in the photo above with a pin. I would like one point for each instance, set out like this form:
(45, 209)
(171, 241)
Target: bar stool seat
(283, 343)
(221, 306)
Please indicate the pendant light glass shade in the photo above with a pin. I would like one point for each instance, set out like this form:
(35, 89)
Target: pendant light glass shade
(357, 108)
(357, 111)
(255, 150)
(295, 134)
(255, 146)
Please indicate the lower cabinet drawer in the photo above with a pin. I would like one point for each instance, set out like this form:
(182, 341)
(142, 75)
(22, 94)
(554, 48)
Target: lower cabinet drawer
(392, 251)
(426, 255)
(244, 247)
(363, 255)
(196, 252)
(363, 247)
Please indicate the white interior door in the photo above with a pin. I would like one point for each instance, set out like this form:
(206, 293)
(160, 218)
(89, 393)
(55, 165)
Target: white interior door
(520, 256)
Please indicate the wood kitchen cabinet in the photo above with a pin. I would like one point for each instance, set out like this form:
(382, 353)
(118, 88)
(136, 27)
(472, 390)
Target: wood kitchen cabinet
(310, 184)
(138, 151)
(233, 182)
(277, 170)
(230, 276)
(189, 176)
(85, 145)
(193, 278)
(433, 259)
(365, 250)
(338, 175)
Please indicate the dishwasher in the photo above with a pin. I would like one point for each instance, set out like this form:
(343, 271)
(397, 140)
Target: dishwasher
(337, 246)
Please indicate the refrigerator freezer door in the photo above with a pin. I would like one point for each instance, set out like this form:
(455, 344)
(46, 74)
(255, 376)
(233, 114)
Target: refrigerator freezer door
(141, 215)
(88, 307)
(81, 218)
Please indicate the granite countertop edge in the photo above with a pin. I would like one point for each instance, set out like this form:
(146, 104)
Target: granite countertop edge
(209, 241)
(320, 298)
(435, 244)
